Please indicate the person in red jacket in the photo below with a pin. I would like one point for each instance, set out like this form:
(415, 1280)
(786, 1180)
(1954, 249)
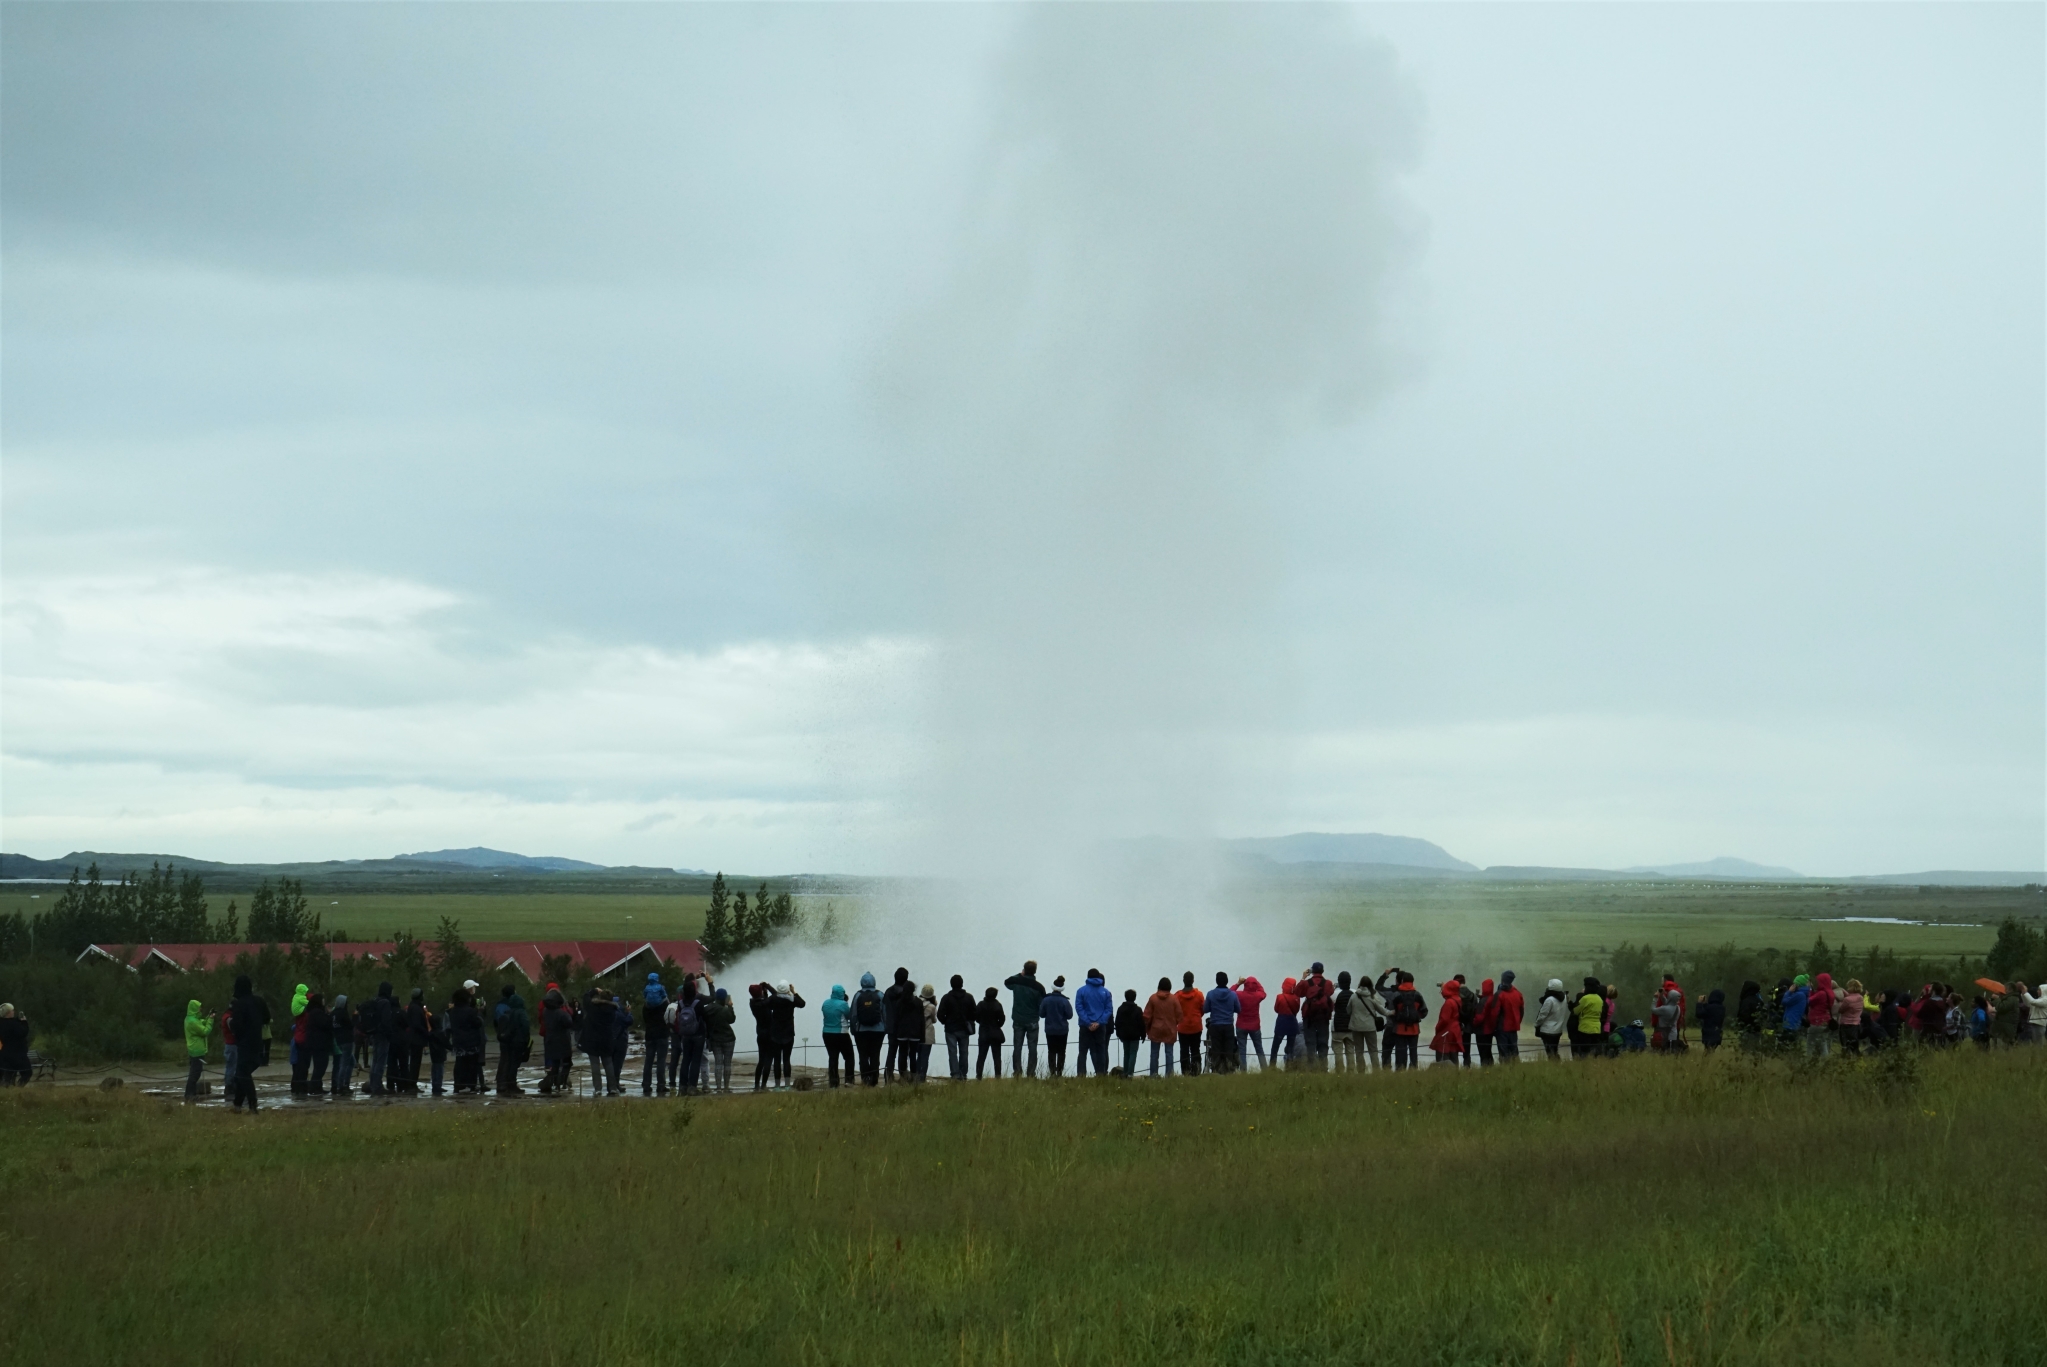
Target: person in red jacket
(1406, 1011)
(1449, 1040)
(1482, 1024)
(1193, 1002)
(1507, 1010)
(1819, 1014)
(1250, 1029)
(1286, 1024)
(1318, 1004)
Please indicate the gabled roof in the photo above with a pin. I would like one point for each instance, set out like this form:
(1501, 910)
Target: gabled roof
(598, 956)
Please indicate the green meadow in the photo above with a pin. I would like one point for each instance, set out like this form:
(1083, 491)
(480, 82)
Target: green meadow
(1732, 1209)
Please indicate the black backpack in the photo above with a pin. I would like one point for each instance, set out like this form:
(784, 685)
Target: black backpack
(1407, 1008)
(867, 1007)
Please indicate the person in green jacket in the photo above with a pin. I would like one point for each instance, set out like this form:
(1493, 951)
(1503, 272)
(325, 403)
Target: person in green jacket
(1587, 1032)
(298, 1059)
(198, 1032)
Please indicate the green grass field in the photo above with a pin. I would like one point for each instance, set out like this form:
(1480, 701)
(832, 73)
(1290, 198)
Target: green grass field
(1696, 1211)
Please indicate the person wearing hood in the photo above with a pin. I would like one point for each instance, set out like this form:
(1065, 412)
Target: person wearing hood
(343, 1021)
(1286, 1023)
(1551, 1014)
(621, 1043)
(1367, 1025)
(1482, 1022)
(1130, 1030)
(1026, 993)
(1712, 1019)
(1819, 1015)
(838, 1033)
(870, 1028)
(438, 1043)
(1793, 1018)
(655, 1068)
(1094, 1009)
(297, 1058)
(719, 1038)
(379, 1019)
(1250, 1027)
(1663, 1015)
(1508, 1007)
(465, 1040)
(1448, 1042)
(956, 1017)
(317, 1023)
(1221, 1007)
(417, 1026)
(16, 1034)
(1193, 1005)
(1318, 1005)
(1387, 985)
(198, 1036)
(250, 1015)
(1849, 1008)
(557, 1043)
(1748, 1014)
(1586, 1024)
(515, 1039)
(988, 1015)
(1055, 1014)
(1162, 1025)
(905, 1027)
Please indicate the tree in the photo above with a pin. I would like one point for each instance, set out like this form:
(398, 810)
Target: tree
(744, 935)
(717, 934)
(406, 963)
(2020, 950)
(452, 955)
(280, 915)
(231, 927)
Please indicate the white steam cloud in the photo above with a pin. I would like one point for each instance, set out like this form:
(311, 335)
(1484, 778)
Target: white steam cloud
(1184, 228)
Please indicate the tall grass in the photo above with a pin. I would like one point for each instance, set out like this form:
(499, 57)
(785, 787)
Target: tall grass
(1727, 1210)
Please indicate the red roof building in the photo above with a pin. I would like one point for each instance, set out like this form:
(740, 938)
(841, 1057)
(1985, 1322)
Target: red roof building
(599, 957)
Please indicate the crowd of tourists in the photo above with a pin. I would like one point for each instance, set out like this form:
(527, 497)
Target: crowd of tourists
(689, 1032)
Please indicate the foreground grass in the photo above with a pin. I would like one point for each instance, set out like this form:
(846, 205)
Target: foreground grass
(1653, 1211)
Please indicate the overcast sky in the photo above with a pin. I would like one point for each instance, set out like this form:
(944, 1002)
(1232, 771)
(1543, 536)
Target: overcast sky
(701, 435)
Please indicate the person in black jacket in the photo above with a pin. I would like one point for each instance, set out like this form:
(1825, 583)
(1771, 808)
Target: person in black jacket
(416, 1025)
(594, 1039)
(319, 1050)
(1712, 1018)
(558, 1036)
(779, 1010)
(905, 1027)
(465, 1037)
(250, 1014)
(621, 1043)
(956, 1018)
(380, 1023)
(342, 1023)
(1130, 1029)
(989, 1015)
(515, 1039)
(1748, 1015)
(15, 1036)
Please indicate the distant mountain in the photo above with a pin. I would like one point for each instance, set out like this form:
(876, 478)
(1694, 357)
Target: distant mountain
(1726, 866)
(1960, 878)
(1315, 847)
(478, 857)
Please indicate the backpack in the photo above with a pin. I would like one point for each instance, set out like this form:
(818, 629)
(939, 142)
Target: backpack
(687, 1024)
(867, 1007)
(1407, 1008)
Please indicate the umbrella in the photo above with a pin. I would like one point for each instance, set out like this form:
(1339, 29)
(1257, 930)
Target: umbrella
(1991, 985)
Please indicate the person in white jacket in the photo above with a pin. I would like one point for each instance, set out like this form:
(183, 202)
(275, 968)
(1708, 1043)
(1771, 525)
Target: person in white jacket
(1551, 1013)
(2033, 1013)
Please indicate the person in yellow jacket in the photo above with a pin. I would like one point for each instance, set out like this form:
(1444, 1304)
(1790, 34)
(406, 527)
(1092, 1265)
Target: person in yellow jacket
(1587, 1032)
(198, 1034)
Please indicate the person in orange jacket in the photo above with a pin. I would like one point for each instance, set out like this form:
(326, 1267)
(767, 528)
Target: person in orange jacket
(1406, 1011)
(1286, 1023)
(1193, 1002)
(1162, 1025)
(1449, 1040)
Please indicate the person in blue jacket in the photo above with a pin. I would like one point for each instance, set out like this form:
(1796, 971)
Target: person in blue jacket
(838, 1034)
(1793, 1022)
(654, 1023)
(1055, 1013)
(1096, 1008)
(1221, 1007)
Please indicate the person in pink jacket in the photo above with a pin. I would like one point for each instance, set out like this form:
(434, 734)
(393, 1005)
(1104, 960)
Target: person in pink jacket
(1250, 1030)
(1819, 1014)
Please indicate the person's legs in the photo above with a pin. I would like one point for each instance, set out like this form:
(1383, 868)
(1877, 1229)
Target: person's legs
(440, 1059)
(195, 1065)
(869, 1045)
(380, 1062)
(689, 1073)
(785, 1058)
(1190, 1055)
(1318, 1046)
(1156, 1050)
(1386, 1049)
(316, 1070)
(1485, 1050)
(1025, 1034)
(298, 1070)
(837, 1046)
(958, 1047)
(1508, 1042)
(247, 1078)
(1129, 1057)
(988, 1051)
(654, 1065)
(1406, 1052)
(1055, 1056)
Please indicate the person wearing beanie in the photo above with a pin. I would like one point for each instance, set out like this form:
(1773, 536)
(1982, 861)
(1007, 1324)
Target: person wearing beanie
(1551, 1013)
